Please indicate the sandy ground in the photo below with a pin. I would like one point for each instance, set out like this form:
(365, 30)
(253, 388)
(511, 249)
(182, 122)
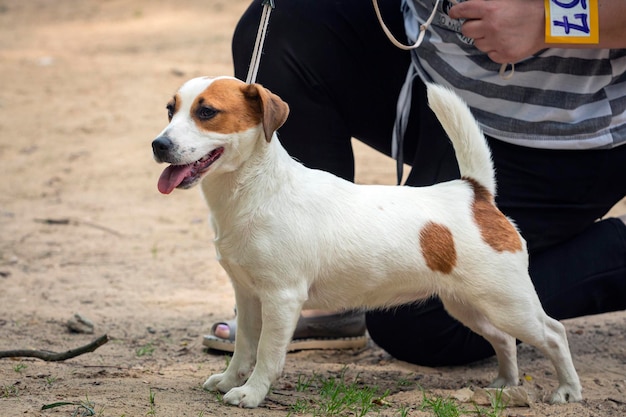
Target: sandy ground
(84, 230)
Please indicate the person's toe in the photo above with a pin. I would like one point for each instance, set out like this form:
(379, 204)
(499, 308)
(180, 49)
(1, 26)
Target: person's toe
(222, 331)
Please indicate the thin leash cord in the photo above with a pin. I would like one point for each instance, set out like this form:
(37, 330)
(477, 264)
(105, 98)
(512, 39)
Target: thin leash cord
(503, 74)
(255, 61)
(420, 38)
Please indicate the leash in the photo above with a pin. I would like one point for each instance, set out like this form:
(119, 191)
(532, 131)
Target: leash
(503, 69)
(255, 61)
(403, 107)
(420, 37)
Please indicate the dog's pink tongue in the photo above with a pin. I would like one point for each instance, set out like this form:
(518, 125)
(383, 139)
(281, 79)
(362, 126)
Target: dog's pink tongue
(172, 176)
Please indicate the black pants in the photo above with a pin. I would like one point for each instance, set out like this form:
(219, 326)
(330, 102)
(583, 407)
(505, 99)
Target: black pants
(341, 76)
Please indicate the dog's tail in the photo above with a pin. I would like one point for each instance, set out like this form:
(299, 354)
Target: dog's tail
(472, 152)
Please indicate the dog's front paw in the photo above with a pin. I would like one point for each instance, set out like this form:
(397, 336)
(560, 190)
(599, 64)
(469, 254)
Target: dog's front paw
(566, 394)
(245, 396)
(221, 382)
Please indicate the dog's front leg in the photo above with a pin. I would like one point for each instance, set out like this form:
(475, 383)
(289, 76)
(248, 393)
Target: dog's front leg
(246, 342)
(280, 316)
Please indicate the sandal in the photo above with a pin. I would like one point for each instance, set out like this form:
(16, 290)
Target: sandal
(334, 331)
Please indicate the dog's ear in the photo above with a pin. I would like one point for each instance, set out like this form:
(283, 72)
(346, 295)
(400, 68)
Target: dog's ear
(273, 109)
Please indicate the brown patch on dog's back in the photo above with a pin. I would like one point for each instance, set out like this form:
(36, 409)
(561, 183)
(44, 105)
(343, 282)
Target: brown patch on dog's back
(495, 229)
(438, 247)
(233, 112)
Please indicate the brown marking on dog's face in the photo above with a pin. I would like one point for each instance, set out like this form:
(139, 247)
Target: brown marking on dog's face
(173, 106)
(222, 108)
(273, 109)
(438, 247)
(228, 106)
(496, 230)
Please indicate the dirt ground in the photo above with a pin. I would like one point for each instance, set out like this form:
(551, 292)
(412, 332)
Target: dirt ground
(84, 230)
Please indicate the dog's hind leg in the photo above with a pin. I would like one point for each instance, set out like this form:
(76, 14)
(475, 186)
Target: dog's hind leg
(246, 344)
(502, 343)
(555, 346)
(522, 316)
(548, 335)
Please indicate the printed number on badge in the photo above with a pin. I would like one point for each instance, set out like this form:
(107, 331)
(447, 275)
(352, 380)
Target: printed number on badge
(572, 21)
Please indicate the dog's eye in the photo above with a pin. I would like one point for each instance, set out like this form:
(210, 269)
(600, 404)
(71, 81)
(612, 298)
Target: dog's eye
(206, 113)
(170, 111)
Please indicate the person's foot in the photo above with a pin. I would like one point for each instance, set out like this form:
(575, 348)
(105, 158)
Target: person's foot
(315, 330)
(222, 329)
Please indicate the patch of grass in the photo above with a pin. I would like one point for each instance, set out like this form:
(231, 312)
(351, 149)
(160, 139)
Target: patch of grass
(441, 407)
(340, 397)
(145, 350)
(403, 411)
(337, 396)
(10, 391)
(219, 397)
(83, 408)
(301, 406)
(19, 367)
(447, 407)
(152, 405)
(303, 384)
(498, 405)
(404, 383)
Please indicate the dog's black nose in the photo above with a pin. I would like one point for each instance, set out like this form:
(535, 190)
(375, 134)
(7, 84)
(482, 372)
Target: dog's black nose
(161, 146)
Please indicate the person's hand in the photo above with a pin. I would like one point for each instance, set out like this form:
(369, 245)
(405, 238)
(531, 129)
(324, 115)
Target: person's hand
(506, 30)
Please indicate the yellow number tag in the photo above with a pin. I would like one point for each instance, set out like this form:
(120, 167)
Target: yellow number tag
(572, 21)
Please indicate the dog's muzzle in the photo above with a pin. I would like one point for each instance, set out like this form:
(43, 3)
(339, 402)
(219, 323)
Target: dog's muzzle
(161, 148)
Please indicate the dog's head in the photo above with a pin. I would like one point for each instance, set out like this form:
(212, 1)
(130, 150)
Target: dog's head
(214, 124)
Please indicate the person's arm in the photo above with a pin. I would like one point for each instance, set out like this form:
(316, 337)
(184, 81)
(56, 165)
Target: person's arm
(511, 30)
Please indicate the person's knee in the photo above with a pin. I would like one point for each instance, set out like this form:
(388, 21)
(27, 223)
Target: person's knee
(426, 335)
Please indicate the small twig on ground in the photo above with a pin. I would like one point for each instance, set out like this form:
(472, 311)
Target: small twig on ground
(54, 356)
(67, 221)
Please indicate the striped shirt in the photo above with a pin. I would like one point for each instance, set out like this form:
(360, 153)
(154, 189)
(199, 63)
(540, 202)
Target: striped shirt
(556, 99)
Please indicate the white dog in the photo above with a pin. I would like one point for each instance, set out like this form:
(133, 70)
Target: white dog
(292, 237)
